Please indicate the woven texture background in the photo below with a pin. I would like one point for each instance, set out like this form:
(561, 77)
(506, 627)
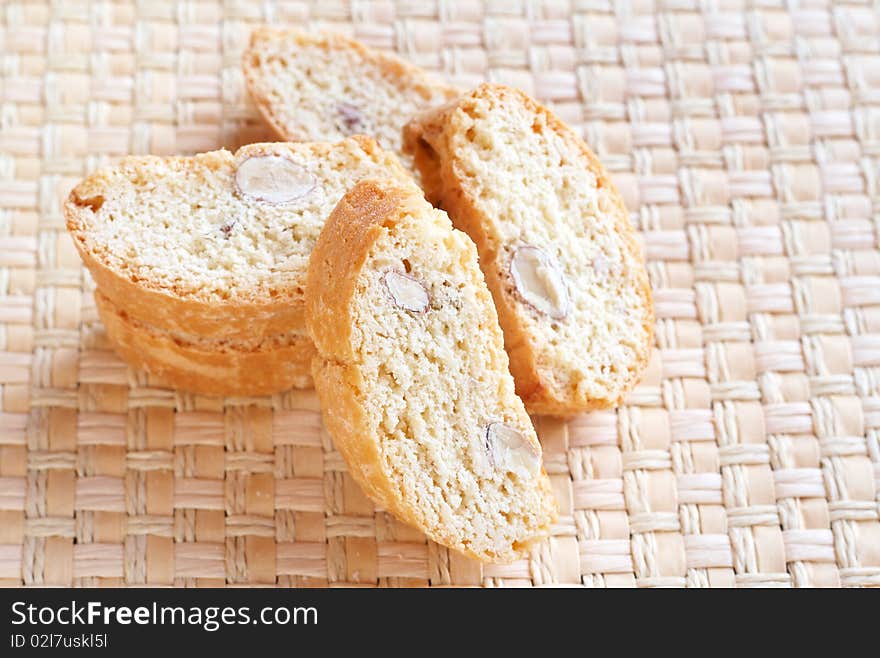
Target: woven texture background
(745, 138)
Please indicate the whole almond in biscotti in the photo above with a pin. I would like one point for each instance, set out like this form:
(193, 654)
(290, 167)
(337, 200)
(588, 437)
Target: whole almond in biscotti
(406, 291)
(539, 282)
(216, 245)
(273, 179)
(555, 242)
(413, 377)
(324, 86)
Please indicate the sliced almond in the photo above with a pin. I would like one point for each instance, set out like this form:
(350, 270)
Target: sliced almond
(351, 118)
(510, 451)
(539, 281)
(406, 292)
(273, 179)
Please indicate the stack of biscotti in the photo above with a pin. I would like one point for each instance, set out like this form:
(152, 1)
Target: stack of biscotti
(200, 262)
(428, 340)
(555, 241)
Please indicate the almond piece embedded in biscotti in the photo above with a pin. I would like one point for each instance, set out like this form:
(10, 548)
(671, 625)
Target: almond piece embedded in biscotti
(359, 90)
(539, 281)
(352, 119)
(273, 179)
(406, 291)
(510, 451)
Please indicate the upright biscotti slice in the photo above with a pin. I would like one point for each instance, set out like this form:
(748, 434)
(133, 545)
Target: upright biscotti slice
(325, 86)
(259, 366)
(555, 243)
(413, 379)
(216, 245)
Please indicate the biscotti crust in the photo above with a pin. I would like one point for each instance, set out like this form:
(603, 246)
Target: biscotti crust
(273, 308)
(363, 217)
(223, 368)
(355, 224)
(429, 138)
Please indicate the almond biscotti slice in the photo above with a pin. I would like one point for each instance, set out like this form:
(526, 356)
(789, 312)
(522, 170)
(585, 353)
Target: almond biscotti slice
(325, 87)
(555, 243)
(216, 245)
(412, 376)
(226, 367)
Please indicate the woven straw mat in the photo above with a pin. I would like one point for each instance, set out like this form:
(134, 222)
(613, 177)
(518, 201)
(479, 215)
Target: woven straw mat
(745, 139)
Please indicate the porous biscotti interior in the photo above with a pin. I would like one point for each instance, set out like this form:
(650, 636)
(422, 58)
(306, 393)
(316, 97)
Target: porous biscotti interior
(319, 87)
(537, 189)
(436, 380)
(180, 225)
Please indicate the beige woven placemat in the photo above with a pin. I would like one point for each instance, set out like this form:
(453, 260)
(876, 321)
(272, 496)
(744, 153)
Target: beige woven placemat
(746, 140)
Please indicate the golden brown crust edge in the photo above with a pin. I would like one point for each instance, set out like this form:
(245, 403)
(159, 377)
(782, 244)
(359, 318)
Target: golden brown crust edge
(161, 308)
(353, 227)
(194, 367)
(426, 137)
(229, 320)
(397, 67)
